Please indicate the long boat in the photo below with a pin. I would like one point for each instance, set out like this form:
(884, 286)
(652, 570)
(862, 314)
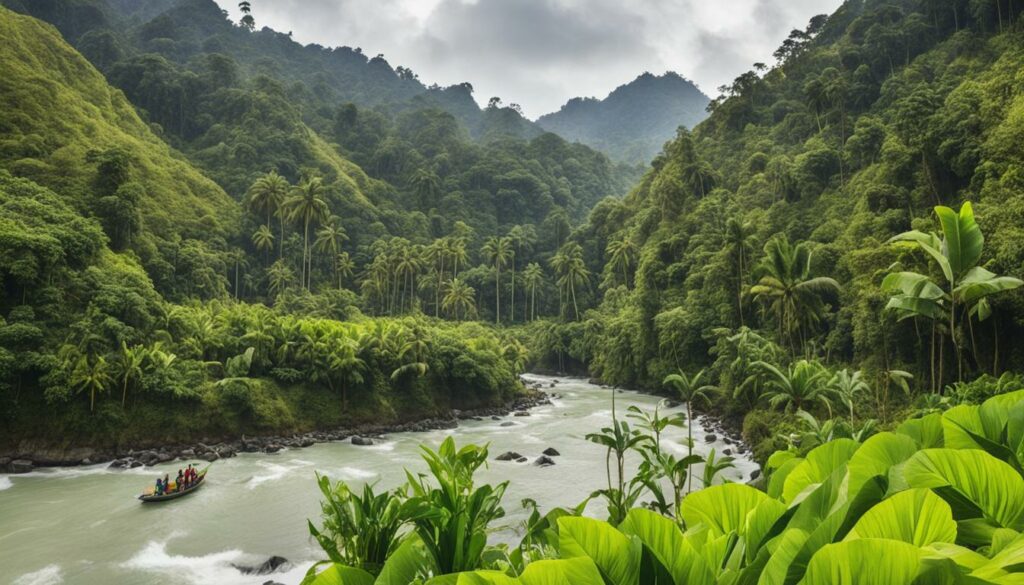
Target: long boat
(151, 496)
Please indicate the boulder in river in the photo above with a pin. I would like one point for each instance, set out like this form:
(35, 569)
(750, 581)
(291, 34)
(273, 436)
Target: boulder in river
(710, 438)
(551, 452)
(21, 466)
(755, 474)
(543, 461)
(508, 456)
(271, 565)
(522, 460)
(362, 441)
(507, 423)
(727, 452)
(521, 413)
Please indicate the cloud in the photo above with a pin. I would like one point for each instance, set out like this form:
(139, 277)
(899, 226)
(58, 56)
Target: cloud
(540, 53)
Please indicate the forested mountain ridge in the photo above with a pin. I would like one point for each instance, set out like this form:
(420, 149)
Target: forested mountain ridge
(633, 122)
(803, 173)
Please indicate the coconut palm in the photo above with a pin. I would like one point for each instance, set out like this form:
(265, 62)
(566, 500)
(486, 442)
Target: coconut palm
(306, 205)
(280, 277)
(457, 253)
(427, 186)
(91, 374)
(329, 239)
(459, 299)
(497, 251)
(621, 255)
(343, 267)
(129, 367)
(532, 276)
(263, 239)
(522, 237)
(268, 195)
(690, 390)
(571, 270)
(739, 243)
(785, 283)
(802, 384)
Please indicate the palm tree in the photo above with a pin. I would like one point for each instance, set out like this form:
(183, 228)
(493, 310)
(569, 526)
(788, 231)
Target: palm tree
(784, 281)
(532, 276)
(739, 243)
(306, 205)
(458, 254)
(329, 239)
(689, 389)
(91, 374)
(281, 277)
(522, 237)
(129, 367)
(427, 185)
(799, 385)
(459, 299)
(263, 239)
(343, 267)
(847, 387)
(497, 251)
(571, 270)
(700, 177)
(621, 254)
(267, 195)
(968, 286)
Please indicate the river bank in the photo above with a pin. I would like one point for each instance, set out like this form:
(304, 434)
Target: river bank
(30, 455)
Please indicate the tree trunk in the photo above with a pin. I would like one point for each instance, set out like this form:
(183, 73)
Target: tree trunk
(497, 294)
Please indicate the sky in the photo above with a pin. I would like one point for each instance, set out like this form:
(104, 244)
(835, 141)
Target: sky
(541, 53)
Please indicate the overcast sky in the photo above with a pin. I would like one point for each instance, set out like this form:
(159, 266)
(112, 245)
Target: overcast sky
(540, 53)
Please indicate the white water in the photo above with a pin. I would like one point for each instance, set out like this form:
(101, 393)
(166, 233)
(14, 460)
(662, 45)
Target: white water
(84, 525)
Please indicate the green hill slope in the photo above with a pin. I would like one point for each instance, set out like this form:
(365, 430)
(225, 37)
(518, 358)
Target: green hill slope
(58, 108)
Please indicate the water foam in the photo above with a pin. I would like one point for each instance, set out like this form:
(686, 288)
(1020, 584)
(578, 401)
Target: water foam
(215, 567)
(48, 575)
(5, 483)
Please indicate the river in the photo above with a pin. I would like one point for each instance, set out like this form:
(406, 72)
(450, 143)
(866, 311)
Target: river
(84, 526)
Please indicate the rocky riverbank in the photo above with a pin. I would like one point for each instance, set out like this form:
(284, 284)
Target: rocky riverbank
(28, 457)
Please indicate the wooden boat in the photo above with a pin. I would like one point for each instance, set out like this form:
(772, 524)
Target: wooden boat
(150, 493)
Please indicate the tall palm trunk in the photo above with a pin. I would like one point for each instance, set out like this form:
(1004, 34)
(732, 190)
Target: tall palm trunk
(497, 294)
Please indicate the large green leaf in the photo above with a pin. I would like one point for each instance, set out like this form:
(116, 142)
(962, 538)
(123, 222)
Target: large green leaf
(915, 516)
(338, 574)
(866, 561)
(777, 479)
(616, 555)
(963, 241)
(475, 578)
(913, 285)
(817, 466)
(669, 546)
(979, 283)
(402, 567)
(979, 478)
(926, 431)
(760, 522)
(784, 549)
(721, 508)
(879, 453)
(580, 570)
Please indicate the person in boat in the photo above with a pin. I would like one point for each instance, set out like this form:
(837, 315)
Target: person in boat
(159, 487)
(181, 480)
(167, 483)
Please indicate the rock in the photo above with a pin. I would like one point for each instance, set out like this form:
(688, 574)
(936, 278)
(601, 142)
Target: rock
(552, 385)
(556, 381)
(755, 474)
(521, 413)
(495, 418)
(226, 451)
(117, 464)
(272, 583)
(508, 456)
(551, 452)
(507, 423)
(306, 442)
(727, 452)
(187, 453)
(672, 403)
(362, 441)
(272, 448)
(164, 457)
(210, 456)
(710, 438)
(522, 460)
(271, 565)
(21, 466)
(135, 464)
(543, 461)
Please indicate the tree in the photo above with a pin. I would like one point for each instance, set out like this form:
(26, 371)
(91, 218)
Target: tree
(571, 270)
(621, 255)
(263, 239)
(689, 389)
(306, 205)
(784, 282)
(91, 374)
(268, 195)
(847, 387)
(459, 299)
(129, 367)
(280, 277)
(329, 239)
(497, 251)
(532, 277)
(427, 186)
(343, 267)
(522, 237)
(739, 243)
(967, 286)
(802, 383)
(247, 22)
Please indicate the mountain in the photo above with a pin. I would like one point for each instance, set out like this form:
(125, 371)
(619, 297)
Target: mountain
(635, 120)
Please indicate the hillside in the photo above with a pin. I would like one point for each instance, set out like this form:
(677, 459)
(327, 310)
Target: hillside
(873, 116)
(633, 122)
